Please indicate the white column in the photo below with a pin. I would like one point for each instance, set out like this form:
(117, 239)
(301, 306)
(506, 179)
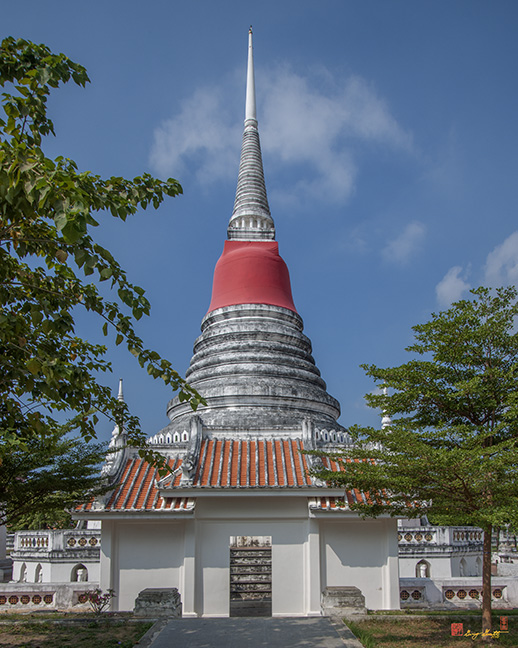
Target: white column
(312, 569)
(188, 574)
(3, 541)
(391, 568)
(109, 567)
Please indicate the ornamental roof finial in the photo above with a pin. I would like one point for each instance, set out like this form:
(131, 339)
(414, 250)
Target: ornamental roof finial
(386, 421)
(116, 449)
(120, 395)
(251, 219)
(250, 110)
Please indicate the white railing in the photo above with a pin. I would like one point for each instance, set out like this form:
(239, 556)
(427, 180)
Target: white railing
(453, 536)
(69, 540)
(27, 596)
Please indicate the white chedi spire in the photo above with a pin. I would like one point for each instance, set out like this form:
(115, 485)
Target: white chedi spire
(251, 219)
(117, 445)
(117, 431)
(386, 421)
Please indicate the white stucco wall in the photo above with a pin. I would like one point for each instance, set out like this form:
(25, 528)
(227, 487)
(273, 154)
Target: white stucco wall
(288, 568)
(364, 554)
(284, 519)
(147, 555)
(193, 554)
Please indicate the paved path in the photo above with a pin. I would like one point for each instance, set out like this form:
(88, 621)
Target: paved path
(270, 632)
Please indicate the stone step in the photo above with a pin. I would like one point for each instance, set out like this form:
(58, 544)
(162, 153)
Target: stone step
(250, 550)
(344, 601)
(258, 587)
(250, 608)
(249, 571)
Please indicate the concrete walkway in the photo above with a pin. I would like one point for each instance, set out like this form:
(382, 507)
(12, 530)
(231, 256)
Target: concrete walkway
(250, 633)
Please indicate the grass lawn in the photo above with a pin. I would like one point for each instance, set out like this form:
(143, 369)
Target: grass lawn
(28, 633)
(417, 631)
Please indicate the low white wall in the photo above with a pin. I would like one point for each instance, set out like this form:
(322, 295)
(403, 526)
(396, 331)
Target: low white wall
(506, 569)
(431, 593)
(445, 566)
(54, 571)
(42, 596)
(54, 556)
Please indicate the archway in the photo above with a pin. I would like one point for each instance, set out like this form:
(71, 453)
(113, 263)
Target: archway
(79, 574)
(422, 569)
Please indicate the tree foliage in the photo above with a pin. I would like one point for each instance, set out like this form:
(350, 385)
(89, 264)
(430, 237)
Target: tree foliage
(41, 481)
(451, 449)
(49, 263)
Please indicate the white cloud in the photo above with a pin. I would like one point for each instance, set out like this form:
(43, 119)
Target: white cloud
(309, 126)
(201, 138)
(406, 244)
(501, 266)
(452, 287)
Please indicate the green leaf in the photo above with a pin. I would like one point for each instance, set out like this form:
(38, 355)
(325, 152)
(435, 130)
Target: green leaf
(60, 220)
(61, 256)
(36, 316)
(33, 366)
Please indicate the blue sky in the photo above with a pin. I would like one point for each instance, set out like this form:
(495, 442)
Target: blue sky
(389, 134)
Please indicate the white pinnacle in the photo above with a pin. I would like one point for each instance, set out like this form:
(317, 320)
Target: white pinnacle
(250, 111)
(386, 421)
(120, 395)
(251, 219)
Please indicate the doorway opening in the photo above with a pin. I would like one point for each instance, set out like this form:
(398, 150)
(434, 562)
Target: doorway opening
(250, 576)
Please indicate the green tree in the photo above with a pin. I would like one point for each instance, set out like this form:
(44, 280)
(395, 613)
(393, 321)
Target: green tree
(41, 481)
(48, 259)
(451, 449)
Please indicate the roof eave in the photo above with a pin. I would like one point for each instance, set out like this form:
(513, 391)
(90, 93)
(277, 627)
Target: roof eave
(261, 491)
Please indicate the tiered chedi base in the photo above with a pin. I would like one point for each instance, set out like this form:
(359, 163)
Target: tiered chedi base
(253, 365)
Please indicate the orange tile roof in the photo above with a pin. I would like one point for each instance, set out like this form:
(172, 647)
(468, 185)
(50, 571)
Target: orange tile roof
(251, 464)
(355, 496)
(222, 463)
(137, 490)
